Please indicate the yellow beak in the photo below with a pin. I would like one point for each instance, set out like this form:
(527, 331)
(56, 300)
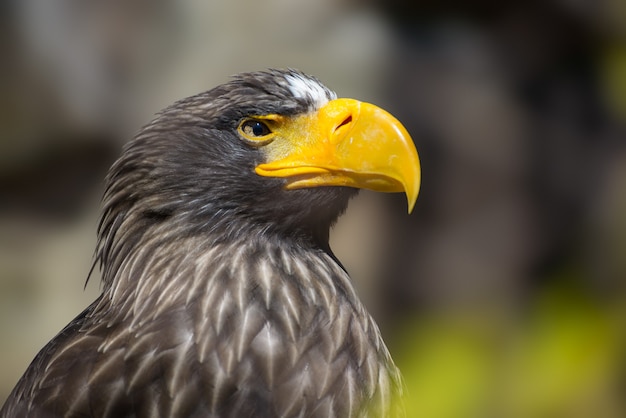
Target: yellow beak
(345, 143)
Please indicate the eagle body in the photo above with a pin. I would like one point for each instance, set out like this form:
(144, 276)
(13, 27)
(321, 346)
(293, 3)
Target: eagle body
(221, 296)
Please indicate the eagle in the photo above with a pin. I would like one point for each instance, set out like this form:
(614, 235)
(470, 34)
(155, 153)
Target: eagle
(221, 296)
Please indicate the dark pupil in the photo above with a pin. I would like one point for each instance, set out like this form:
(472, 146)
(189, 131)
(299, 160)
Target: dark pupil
(258, 129)
(255, 128)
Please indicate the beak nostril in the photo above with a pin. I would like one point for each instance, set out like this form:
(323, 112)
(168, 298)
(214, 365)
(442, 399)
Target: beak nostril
(345, 122)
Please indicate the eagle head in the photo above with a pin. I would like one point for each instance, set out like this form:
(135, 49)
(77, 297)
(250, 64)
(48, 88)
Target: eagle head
(263, 149)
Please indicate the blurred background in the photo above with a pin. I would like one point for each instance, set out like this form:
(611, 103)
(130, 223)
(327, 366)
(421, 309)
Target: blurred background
(502, 295)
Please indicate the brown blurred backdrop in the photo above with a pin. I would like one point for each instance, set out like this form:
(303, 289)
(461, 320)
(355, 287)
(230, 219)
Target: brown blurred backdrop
(502, 295)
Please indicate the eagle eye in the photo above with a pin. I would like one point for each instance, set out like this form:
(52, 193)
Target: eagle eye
(254, 129)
